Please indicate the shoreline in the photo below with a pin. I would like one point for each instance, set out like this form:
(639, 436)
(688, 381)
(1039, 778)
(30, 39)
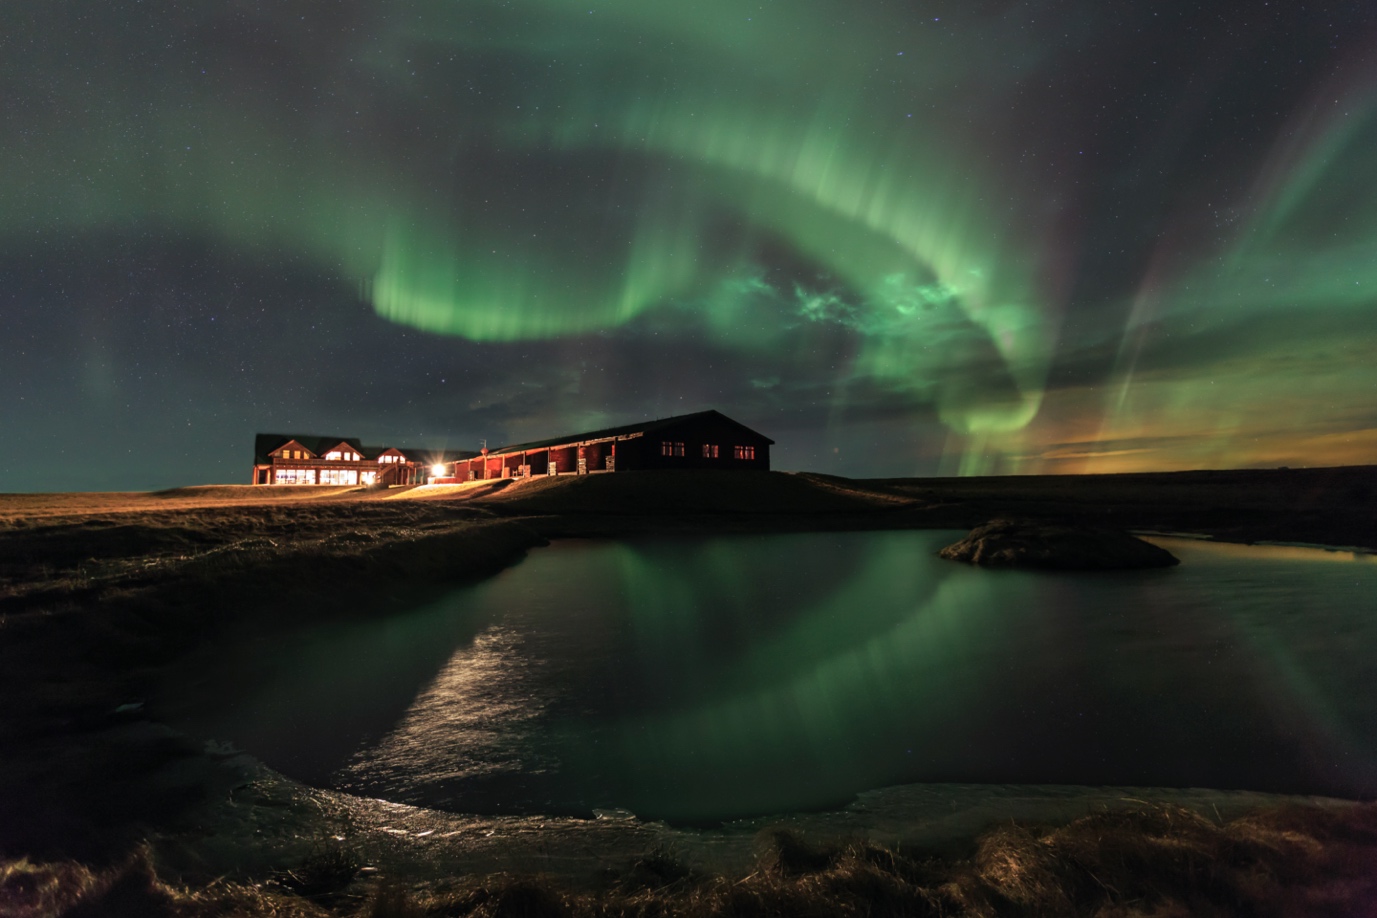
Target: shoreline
(99, 599)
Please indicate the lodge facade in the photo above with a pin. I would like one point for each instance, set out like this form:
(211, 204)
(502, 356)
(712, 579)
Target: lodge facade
(301, 459)
(703, 440)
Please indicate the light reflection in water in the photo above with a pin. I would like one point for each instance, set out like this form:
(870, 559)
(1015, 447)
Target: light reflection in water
(704, 679)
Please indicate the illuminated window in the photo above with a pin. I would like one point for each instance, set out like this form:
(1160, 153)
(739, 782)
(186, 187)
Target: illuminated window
(671, 448)
(334, 455)
(745, 452)
(709, 450)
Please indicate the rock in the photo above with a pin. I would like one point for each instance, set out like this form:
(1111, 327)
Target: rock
(1050, 546)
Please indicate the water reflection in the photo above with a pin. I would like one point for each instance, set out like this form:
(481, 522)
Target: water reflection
(699, 680)
(306, 700)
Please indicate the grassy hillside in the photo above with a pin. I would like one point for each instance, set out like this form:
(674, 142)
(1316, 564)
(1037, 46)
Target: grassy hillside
(693, 493)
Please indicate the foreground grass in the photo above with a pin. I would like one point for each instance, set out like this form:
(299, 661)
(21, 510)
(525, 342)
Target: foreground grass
(1162, 861)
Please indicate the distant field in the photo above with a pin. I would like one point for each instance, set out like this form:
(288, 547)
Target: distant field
(1335, 506)
(14, 506)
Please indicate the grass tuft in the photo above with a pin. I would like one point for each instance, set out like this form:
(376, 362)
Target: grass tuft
(328, 869)
(391, 900)
(524, 897)
(789, 854)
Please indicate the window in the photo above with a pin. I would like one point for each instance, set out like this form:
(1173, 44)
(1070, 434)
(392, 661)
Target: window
(334, 455)
(295, 476)
(671, 447)
(339, 476)
(745, 452)
(709, 450)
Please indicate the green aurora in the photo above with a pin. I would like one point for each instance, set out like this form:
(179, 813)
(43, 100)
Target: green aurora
(916, 216)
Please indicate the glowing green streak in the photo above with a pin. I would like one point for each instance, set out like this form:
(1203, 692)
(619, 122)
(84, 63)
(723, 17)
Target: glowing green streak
(775, 131)
(852, 210)
(1304, 263)
(895, 212)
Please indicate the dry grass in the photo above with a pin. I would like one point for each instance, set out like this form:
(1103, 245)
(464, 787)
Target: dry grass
(1157, 862)
(133, 890)
(21, 507)
(696, 493)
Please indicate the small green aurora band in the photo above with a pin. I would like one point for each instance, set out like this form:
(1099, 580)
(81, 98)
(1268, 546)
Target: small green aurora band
(914, 181)
(1285, 307)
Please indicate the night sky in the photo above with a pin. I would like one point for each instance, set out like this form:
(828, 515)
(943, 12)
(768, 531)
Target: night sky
(898, 237)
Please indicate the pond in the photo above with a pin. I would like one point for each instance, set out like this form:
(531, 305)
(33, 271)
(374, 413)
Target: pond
(698, 680)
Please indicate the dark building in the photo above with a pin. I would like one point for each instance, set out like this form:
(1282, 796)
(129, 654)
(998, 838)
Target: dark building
(703, 440)
(311, 459)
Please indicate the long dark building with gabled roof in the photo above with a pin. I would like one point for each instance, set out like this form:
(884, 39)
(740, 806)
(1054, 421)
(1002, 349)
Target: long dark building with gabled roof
(703, 440)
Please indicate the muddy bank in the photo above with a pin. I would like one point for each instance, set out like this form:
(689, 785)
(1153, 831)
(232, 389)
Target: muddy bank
(98, 597)
(938, 850)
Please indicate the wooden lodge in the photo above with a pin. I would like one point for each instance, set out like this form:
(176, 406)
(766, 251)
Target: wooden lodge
(703, 440)
(299, 459)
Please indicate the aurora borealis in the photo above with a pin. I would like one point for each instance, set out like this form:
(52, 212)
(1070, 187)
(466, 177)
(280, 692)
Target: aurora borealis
(899, 238)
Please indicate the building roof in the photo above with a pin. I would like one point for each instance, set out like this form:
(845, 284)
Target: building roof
(265, 443)
(608, 433)
(429, 454)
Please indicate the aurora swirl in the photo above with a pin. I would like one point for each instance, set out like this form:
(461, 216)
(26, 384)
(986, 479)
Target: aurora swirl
(903, 238)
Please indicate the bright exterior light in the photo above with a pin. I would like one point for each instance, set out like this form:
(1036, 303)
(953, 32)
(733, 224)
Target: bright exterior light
(437, 470)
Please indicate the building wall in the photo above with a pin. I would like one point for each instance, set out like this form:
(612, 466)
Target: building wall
(645, 451)
(322, 471)
(691, 436)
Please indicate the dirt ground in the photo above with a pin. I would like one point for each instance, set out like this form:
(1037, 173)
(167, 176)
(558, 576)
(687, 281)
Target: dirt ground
(100, 593)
